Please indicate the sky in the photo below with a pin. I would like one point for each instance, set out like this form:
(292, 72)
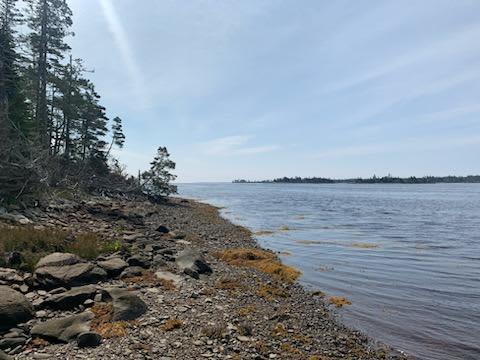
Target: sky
(259, 89)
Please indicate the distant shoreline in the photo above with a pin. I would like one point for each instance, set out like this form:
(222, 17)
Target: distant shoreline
(470, 179)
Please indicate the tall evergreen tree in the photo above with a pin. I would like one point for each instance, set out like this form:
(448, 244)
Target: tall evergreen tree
(49, 22)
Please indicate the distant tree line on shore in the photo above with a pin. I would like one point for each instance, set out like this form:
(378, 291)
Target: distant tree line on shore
(54, 132)
(373, 180)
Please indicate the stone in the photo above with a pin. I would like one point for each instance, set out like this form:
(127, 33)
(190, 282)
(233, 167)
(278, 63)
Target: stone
(64, 329)
(41, 314)
(177, 280)
(14, 308)
(63, 269)
(139, 260)
(71, 298)
(4, 356)
(10, 343)
(163, 229)
(126, 304)
(113, 266)
(58, 259)
(88, 339)
(13, 258)
(131, 272)
(192, 263)
(10, 276)
(159, 261)
(15, 218)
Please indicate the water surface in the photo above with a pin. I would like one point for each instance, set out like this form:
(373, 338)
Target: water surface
(406, 256)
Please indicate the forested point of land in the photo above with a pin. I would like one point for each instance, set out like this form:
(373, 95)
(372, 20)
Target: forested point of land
(54, 132)
(372, 180)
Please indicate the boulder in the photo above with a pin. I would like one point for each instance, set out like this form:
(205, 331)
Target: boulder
(10, 276)
(63, 269)
(126, 304)
(113, 266)
(14, 308)
(176, 280)
(15, 218)
(192, 263)
(139, 260)
(58, 259)
(131, 271)
(11, 343)
(163, 229)
(71, 298)
(89, 339)
(4, 356)
(64, 329)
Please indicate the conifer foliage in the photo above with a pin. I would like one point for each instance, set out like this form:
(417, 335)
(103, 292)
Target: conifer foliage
(53, 129)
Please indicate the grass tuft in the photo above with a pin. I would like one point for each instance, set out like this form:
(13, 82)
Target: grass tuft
(102, 322)
(33, 244)
(172, 324)
(217, 331)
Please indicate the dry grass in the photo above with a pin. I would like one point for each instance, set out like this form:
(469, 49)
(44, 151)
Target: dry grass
(148, 278)
(261, 260)
(228, 284)
(279, 331)
(217, 331)
(102, 322)
(33, 244)
(246, 310)
(339, 301)
(270, 292)
(172, 324)
(38, 343)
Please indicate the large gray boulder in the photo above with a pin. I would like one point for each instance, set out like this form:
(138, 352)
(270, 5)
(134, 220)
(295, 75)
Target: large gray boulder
(113, 266)
(68, 270)
(4, 356)
(192, 263)
(64, 329)
(71, 298)
(14, 308)
(126, 304)
(89, 339)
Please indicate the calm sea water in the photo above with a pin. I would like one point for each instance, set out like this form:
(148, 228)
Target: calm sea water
(406, 256)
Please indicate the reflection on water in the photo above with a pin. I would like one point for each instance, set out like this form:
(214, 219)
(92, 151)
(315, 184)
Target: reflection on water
(406, 256)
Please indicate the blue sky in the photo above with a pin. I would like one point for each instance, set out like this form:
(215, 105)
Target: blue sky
(259, 89)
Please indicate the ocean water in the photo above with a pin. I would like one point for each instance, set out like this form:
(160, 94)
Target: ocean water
(406, 256)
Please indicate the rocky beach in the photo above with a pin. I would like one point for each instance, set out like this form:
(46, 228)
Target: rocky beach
(173, 280)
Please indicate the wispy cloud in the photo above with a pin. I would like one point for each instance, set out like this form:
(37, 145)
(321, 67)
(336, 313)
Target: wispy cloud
(457, 43)
(408, 145)
(234, 145)
(118, 32)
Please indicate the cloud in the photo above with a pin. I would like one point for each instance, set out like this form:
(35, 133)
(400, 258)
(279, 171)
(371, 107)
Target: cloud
(407, 145)
(460, 42)
(118, 32)
(234, 145)
(454, 113)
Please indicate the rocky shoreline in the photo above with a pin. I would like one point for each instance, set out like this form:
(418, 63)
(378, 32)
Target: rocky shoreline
(169, 291)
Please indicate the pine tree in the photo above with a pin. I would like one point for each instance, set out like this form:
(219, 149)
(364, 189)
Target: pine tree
(13, 114)
(157, 180)
(118, 137)
(49, 22)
